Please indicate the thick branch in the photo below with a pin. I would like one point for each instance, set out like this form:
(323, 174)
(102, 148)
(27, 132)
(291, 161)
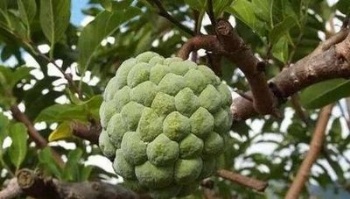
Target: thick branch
(35, 185)
(323, 65)
(228, 43)
(243, 180)
(12, 190)
(89, 132)
(33, 133)
(311, 157)
(238, 52)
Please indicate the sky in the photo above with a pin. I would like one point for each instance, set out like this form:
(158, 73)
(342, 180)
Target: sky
(77, 16)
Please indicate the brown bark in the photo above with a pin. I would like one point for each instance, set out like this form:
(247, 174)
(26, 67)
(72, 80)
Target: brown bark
(33, 133)
(252, 183)
(40, 187)
(331, 59)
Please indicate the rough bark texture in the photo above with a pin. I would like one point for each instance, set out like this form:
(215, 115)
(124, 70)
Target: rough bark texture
(329, 60)
(35, 185)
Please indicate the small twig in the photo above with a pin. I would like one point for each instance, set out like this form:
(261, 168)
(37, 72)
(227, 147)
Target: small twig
(298, 109)
(311, 156)
(246, 96)
(208, 42)
(65, 75)
(215, 63)
(33, 133)
(164, 13)
(252, 183)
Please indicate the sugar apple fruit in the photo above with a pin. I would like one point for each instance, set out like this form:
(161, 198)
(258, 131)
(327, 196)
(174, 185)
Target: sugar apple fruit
(163, 123)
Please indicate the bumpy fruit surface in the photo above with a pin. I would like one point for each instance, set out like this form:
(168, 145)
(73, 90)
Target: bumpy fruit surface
(163, 123)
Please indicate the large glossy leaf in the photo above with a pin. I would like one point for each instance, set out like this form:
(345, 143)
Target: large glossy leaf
(69, 112)
(18, 148)
(54, 18)
(62, 112)
(244, 11)
(106, 4)
(262, 9)
(103, 25)
(323, 93)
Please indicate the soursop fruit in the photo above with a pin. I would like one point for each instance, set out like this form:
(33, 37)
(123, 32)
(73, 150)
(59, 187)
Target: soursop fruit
(163, 123)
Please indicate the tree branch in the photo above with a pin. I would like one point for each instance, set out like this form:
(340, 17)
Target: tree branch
(238, 52)
(164, 13)
(328, 61)
(12, 190)
(33, 133)
(228, 43)
(243, 180)
(35, 185)
(89, 132)
(311, 157)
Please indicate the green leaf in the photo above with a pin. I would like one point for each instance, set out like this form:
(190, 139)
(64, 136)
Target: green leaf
(63, 131)
(280, 49)
(12, 77)
(62, 112)
(20, 73)
(343, 6)
(69, 112)
(3, 5)
(49, 164)
(54, 19)
(220, 6)
(102, 26)
(71, 171)
(18, 148)
(106, 4)
(281, 29)
(323, 93)
(4, 121)
(199, 5)
(27, 11)
(7, 52)
(262, 9)
(16, 26)
(85, 173)
(244, 11)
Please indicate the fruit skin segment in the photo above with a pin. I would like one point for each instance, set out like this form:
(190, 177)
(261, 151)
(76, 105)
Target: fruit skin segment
(163, 123)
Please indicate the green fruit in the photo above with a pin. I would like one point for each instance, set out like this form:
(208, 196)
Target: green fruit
(164, 122)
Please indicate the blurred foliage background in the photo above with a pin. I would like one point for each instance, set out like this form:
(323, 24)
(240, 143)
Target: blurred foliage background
(55, 72)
